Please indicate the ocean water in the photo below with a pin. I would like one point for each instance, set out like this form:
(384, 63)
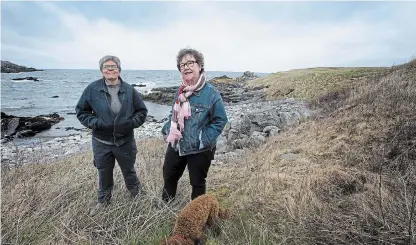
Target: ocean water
(32, 98)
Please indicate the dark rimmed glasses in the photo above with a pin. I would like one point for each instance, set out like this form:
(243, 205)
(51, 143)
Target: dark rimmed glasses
(110, 67)
(189, 64)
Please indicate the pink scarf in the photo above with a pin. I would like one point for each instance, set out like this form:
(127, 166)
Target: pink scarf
(182, 109)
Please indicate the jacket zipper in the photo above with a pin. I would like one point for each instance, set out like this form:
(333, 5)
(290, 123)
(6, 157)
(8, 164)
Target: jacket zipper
(114, 123)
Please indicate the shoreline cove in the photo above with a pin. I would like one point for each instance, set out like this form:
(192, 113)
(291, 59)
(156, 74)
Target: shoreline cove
(250, 124)
(251, 121)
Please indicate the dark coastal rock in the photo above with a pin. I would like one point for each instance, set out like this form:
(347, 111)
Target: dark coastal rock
(11, 127)
(75, 129)
(162, 120)
(25, 133)
(9, 67)
(162, 96)
(26, 78)
(232, 90)
(247, 75)
(26, 126)
(138, 85)
(150, 118)
(222, 77)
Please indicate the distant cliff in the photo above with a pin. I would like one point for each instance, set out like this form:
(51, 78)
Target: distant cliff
(9, 67)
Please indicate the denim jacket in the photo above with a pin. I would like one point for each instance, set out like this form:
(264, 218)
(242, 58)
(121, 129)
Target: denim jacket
(93, 111)
(208, 119)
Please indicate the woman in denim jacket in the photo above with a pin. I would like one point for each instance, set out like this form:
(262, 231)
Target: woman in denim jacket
(197, 119)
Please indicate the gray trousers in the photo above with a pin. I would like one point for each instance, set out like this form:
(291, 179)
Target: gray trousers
(104, 160)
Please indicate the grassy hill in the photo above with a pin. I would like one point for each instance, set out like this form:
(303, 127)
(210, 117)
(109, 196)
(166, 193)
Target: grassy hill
(313, 82)
(347, 176)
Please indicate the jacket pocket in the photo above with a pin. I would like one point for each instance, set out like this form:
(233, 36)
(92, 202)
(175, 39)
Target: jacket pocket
(198, 112)
(103, 126)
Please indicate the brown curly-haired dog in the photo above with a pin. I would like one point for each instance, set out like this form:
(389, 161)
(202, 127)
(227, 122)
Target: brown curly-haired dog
(191, 221)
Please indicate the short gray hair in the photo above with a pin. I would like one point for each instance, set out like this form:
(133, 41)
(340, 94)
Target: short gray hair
(199, 57)
(107, 58)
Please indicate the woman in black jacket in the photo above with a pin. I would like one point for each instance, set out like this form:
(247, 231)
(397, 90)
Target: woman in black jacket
(112, 108)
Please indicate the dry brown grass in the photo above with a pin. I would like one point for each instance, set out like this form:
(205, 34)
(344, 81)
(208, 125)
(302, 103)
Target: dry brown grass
(345, 177)
(49, 203)
(352, 175)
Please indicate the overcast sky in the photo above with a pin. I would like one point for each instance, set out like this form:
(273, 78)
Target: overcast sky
(233, 36)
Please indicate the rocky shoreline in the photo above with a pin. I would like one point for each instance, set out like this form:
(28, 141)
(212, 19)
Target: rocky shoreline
(9, 67)
(252, 120)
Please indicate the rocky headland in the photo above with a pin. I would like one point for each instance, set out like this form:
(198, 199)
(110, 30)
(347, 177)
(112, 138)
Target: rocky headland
(9, 67)
(252, 120)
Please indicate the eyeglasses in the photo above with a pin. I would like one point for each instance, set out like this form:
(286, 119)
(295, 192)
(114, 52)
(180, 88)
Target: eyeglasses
(110, 67)
(189, 64)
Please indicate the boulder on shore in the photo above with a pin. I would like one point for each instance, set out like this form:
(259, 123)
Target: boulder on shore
(9, 67)
(13, 126)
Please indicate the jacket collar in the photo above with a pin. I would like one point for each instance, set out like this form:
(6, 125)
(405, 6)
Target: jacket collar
(197, 93)
(102, 85)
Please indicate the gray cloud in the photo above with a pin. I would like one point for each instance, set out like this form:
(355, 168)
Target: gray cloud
(234, 42)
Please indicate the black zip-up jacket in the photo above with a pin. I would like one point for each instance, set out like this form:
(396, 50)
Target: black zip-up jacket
(93, 111)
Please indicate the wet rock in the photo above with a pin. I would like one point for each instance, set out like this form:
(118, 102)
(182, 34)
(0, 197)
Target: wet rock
(11, 127)
(138, 85)
(72, 128)
(38, 126)
(27, 126)
(26, 78)
(25, 133)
